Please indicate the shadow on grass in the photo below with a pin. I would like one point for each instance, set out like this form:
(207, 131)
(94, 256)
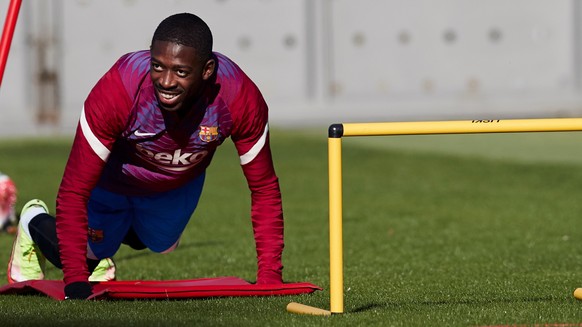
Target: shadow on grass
(136, 254)
(387, 305)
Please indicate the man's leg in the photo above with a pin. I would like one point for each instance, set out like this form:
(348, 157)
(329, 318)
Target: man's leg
(109, 221)
(26, 261)
(133, 240)
(37, 241)
(160, 219)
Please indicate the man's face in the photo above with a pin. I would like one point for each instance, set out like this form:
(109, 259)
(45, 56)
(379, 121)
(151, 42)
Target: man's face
(177, 74)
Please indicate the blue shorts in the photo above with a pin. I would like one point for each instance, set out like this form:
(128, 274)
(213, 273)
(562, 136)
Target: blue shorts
(158, 220)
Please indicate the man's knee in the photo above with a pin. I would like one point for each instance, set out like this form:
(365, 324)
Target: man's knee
(171, 248)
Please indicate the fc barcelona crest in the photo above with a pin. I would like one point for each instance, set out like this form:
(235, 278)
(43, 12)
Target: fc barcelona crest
(208, 133)
(95, 235)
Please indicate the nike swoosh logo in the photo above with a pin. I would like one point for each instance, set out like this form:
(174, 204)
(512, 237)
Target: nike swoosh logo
(138, 133)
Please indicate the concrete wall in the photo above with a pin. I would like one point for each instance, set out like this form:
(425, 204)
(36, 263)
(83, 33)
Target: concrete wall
(317, 62)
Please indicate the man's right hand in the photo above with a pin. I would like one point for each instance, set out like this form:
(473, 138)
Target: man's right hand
(78, 291)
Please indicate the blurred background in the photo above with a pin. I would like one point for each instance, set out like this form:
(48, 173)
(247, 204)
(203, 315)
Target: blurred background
(316, 62)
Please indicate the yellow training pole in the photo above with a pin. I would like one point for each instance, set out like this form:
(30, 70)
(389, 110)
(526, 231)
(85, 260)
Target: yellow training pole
(463, 126)
(336, 270)
(335, 226)
(303, 309)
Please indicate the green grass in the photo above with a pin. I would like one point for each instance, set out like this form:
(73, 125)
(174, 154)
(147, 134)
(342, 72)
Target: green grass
(436, 233)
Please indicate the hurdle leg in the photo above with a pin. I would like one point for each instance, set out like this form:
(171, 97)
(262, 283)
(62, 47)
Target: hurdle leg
(335, 225)
(7, 33)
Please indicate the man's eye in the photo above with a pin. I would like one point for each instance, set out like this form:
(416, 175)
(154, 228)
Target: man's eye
(182, 73)
(156, 67)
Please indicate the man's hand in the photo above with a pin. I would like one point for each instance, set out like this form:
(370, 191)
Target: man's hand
(78, 291)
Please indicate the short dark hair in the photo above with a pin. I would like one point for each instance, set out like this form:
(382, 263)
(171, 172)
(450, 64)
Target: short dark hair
(186, 29)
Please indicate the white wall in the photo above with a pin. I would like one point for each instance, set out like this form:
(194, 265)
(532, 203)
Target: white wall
(326, 61)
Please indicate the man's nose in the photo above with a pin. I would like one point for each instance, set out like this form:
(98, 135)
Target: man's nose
(167, 80)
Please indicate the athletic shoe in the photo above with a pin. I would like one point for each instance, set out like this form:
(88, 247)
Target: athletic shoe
(26, 261)
(104, 272)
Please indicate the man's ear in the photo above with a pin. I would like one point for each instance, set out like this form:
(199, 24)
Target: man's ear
(209, 68)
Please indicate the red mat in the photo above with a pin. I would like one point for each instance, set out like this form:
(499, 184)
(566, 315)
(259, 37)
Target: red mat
(167, 289)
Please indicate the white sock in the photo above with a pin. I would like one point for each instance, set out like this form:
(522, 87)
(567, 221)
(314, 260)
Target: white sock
(27, 217)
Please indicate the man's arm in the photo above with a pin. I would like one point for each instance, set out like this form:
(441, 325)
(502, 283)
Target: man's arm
(251, 138)
(266, 210)
(250, 133)
(101, 121)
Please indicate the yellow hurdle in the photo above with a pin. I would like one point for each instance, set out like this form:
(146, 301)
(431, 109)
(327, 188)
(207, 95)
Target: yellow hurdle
(463, 127)
(337, 131)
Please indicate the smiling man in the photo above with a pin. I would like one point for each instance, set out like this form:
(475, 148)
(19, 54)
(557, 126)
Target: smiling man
(148, 131)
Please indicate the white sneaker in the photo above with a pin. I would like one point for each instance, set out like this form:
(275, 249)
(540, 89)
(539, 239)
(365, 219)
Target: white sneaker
(104, 272)
(26, 261)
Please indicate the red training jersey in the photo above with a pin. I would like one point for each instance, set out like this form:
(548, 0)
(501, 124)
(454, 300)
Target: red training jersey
(126, 144)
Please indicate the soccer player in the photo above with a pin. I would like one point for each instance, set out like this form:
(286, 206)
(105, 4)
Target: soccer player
(147, 132)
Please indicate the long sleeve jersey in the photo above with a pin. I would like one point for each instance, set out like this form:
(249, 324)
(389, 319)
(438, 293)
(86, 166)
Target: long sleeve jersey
(126, 144)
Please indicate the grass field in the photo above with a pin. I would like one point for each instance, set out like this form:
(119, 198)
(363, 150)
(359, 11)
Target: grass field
(480, 230)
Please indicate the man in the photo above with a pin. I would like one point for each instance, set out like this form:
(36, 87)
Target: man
(147, 133)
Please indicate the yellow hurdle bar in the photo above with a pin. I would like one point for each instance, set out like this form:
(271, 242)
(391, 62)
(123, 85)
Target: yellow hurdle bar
(463, 127)
(337, 131)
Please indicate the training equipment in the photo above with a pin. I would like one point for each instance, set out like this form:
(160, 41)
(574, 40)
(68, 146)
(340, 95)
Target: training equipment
(337, 131)
(168, 289)
(26, 261)
(7, 203)
(295, 307)
(7, 33)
